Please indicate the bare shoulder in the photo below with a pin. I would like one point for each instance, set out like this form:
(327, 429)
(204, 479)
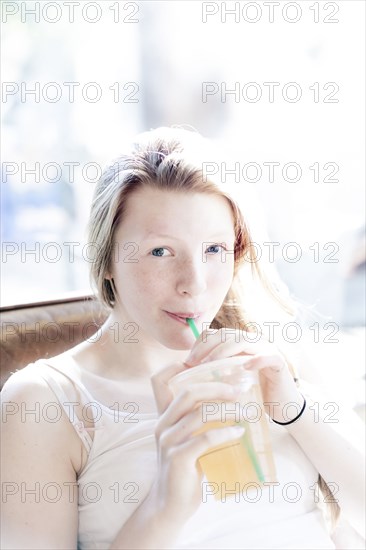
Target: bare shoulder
(28, 385)
(23, 388)
(32, 414)
(39, 457)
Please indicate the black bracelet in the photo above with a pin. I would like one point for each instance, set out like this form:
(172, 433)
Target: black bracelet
(296, 417)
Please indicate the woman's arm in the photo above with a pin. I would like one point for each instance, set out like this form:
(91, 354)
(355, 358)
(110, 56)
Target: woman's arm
(148, 528)
(333, 437)
(39, 491)
(176, 492)
(335, 448)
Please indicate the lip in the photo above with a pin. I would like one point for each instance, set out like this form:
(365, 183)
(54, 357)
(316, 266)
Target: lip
(182, 318)
(185, 314)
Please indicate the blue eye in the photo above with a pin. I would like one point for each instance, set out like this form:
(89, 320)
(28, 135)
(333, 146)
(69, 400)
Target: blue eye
(215, 246)
(157, 255)
(213, 250)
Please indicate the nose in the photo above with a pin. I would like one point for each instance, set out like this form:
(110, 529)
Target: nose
(191, 277)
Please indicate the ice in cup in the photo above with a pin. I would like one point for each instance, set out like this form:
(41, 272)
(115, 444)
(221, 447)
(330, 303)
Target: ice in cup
(249, 459)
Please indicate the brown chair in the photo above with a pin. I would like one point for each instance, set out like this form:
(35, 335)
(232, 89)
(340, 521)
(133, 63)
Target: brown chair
(45, 329)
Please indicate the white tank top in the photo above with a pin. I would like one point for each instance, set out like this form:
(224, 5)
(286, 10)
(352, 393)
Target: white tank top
(122, 465)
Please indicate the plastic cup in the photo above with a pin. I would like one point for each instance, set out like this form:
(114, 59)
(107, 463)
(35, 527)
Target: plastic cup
(230, 467)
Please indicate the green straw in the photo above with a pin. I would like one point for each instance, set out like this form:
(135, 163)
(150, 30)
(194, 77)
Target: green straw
(193, 327)
(245, 439)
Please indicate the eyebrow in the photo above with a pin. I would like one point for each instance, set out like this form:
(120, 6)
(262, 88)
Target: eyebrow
(166, 236)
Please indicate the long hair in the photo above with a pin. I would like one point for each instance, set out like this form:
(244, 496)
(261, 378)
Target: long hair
(172, 159)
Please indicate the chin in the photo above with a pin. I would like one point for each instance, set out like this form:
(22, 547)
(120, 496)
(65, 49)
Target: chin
(178, 342)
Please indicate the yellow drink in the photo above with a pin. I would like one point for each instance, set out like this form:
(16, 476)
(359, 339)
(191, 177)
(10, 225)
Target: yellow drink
(248, 459)
(227, 464)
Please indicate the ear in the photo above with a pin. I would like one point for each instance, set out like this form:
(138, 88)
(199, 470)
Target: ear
(109, 278)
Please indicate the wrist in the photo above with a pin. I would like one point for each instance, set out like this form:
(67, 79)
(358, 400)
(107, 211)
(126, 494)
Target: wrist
(150, 527)
(164, 513)
(285, 407)
(287, 417)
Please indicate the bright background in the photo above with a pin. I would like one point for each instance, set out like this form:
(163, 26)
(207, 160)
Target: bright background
(159, 54)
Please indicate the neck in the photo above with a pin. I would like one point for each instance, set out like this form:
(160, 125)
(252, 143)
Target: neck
(121, 352)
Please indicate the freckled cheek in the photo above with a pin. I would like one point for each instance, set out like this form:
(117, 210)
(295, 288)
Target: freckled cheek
(221, 273)
(136, 278)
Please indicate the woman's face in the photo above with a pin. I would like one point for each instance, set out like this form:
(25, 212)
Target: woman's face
(170, 257)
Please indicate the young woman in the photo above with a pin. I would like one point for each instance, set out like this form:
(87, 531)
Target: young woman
(108, 458)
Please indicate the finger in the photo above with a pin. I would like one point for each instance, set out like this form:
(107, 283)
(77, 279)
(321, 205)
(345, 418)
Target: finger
(160, 380)
(190, 398)
(275, 363)
(206, 339)
(210, 415)
(228, 349)
(223, 343)
(160, 384)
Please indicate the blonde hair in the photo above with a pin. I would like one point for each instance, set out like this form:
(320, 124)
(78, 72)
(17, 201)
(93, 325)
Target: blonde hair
(171, 159)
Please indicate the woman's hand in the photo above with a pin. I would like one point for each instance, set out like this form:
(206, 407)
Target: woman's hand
(277, 384)
(177, 488)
